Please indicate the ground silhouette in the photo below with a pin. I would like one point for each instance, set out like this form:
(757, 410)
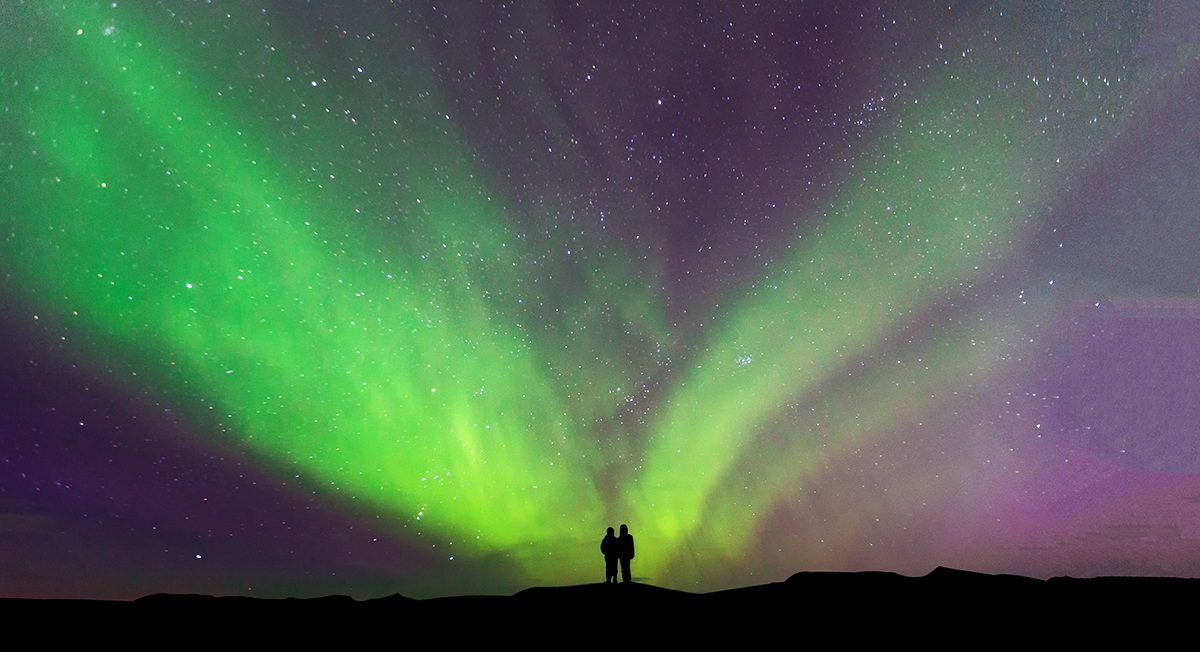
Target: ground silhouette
(947, 604)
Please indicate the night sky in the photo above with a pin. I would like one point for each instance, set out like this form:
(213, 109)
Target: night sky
(378, 297)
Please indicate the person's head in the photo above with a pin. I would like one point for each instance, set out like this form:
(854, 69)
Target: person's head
(624, 529)
(610, 531)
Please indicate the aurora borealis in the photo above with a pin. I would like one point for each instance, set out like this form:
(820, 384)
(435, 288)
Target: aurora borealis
(401, 297)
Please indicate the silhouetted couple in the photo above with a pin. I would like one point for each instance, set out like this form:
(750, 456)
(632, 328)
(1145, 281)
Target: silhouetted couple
(615, 548)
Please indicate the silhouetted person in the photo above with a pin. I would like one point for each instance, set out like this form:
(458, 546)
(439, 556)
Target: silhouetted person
(625, 552)
(609, 547)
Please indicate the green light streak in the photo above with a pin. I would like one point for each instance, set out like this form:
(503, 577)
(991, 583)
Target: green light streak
(920, 224)
(394, 382)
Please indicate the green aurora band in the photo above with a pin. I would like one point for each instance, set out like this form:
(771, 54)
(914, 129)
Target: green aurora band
(389, 359)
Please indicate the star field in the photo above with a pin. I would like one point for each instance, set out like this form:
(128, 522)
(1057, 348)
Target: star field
(409, 297)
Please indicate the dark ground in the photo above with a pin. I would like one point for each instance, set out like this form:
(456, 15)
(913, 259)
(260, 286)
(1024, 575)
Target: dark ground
(944, 607)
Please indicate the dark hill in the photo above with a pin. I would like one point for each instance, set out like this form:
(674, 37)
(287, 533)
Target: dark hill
(946, 605)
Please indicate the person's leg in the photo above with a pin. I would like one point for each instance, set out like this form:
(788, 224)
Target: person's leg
(625, 569)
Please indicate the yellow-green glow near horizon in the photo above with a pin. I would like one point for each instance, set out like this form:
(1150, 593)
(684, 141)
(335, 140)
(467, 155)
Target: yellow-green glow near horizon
(392, 359)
